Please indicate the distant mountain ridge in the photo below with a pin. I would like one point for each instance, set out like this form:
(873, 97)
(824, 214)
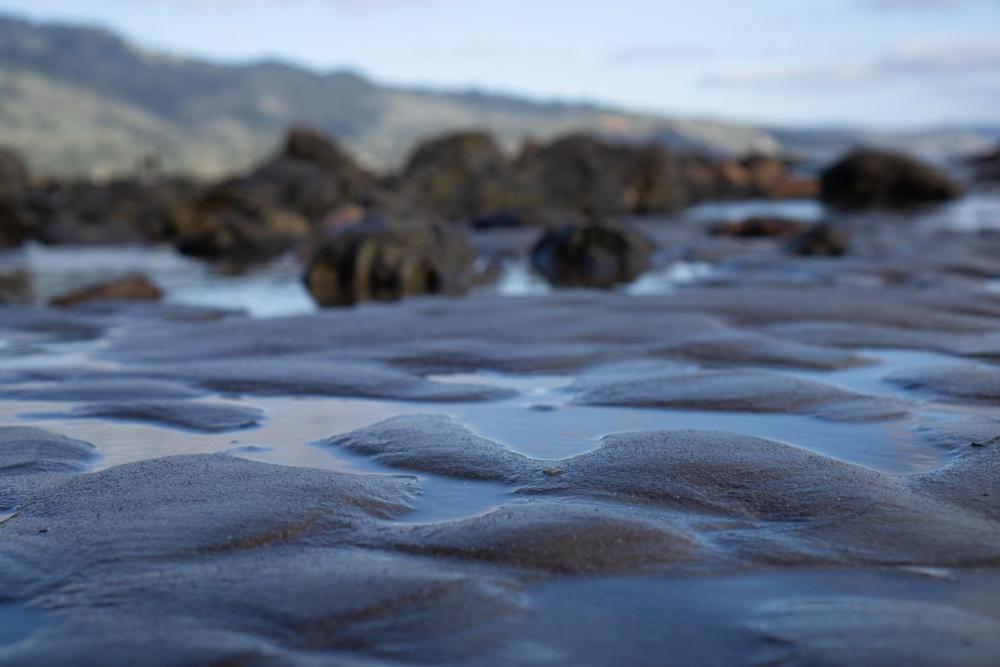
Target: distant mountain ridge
(78, 100)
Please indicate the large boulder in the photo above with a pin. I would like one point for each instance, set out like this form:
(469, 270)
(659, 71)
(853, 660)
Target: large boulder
(379, 261)
(592, 254)
(583, 174)
(268, 211)
(880, 179)
(13, 229)
(656, 184)
(752, 177)
(238, 225)
(119, 212)
(14, 181)
(311, 175)
(460, 176)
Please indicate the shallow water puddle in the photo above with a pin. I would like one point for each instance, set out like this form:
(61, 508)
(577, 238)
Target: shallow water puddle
(290, 436)
(562, 430)
(540, 422)
(559, 431)
(569, 430)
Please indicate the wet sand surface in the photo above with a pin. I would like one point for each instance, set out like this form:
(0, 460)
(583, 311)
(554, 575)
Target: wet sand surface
(779, 462)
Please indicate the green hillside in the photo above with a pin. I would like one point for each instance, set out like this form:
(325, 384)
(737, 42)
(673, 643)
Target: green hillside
(80, 100)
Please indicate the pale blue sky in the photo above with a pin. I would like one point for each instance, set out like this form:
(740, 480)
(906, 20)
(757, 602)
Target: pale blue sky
(867, 62)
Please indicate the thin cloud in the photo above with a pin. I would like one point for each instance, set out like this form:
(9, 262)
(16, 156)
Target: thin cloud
(912, 60)
(652, 54)
(918, 5)
(943, 56)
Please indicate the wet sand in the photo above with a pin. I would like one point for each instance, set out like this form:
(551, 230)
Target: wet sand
(784, 461)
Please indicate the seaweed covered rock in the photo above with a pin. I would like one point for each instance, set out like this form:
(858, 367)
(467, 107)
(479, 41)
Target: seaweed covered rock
(380, 261)
(13, 229)
(772, 177)
(760, 226)
(584, 174)
(656, 185)
(230, 222)
(823, 239)
(881, 179)
(458, 176)
(311, 175)
(13, 182)
(593, 254)
(119, 212)
(133, 287)
(705, 178)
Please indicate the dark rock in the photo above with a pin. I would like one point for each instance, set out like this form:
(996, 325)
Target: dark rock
(771, 177)
(824, 239)
(133, 287)
(656, 185)
(756, 176)
(13, 228)
(384, 262)
(880, 179)
(308, 145)
(584, 174)
(15, 286)
(498, 220)
(266, 212)
(115, 213)
(458, 177)
(14, 177)
(311, 176)
(760, 227)
(231, 222)
(592, 255)
(14, 180)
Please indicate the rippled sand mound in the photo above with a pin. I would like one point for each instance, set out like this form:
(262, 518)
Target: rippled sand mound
(757, 474)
